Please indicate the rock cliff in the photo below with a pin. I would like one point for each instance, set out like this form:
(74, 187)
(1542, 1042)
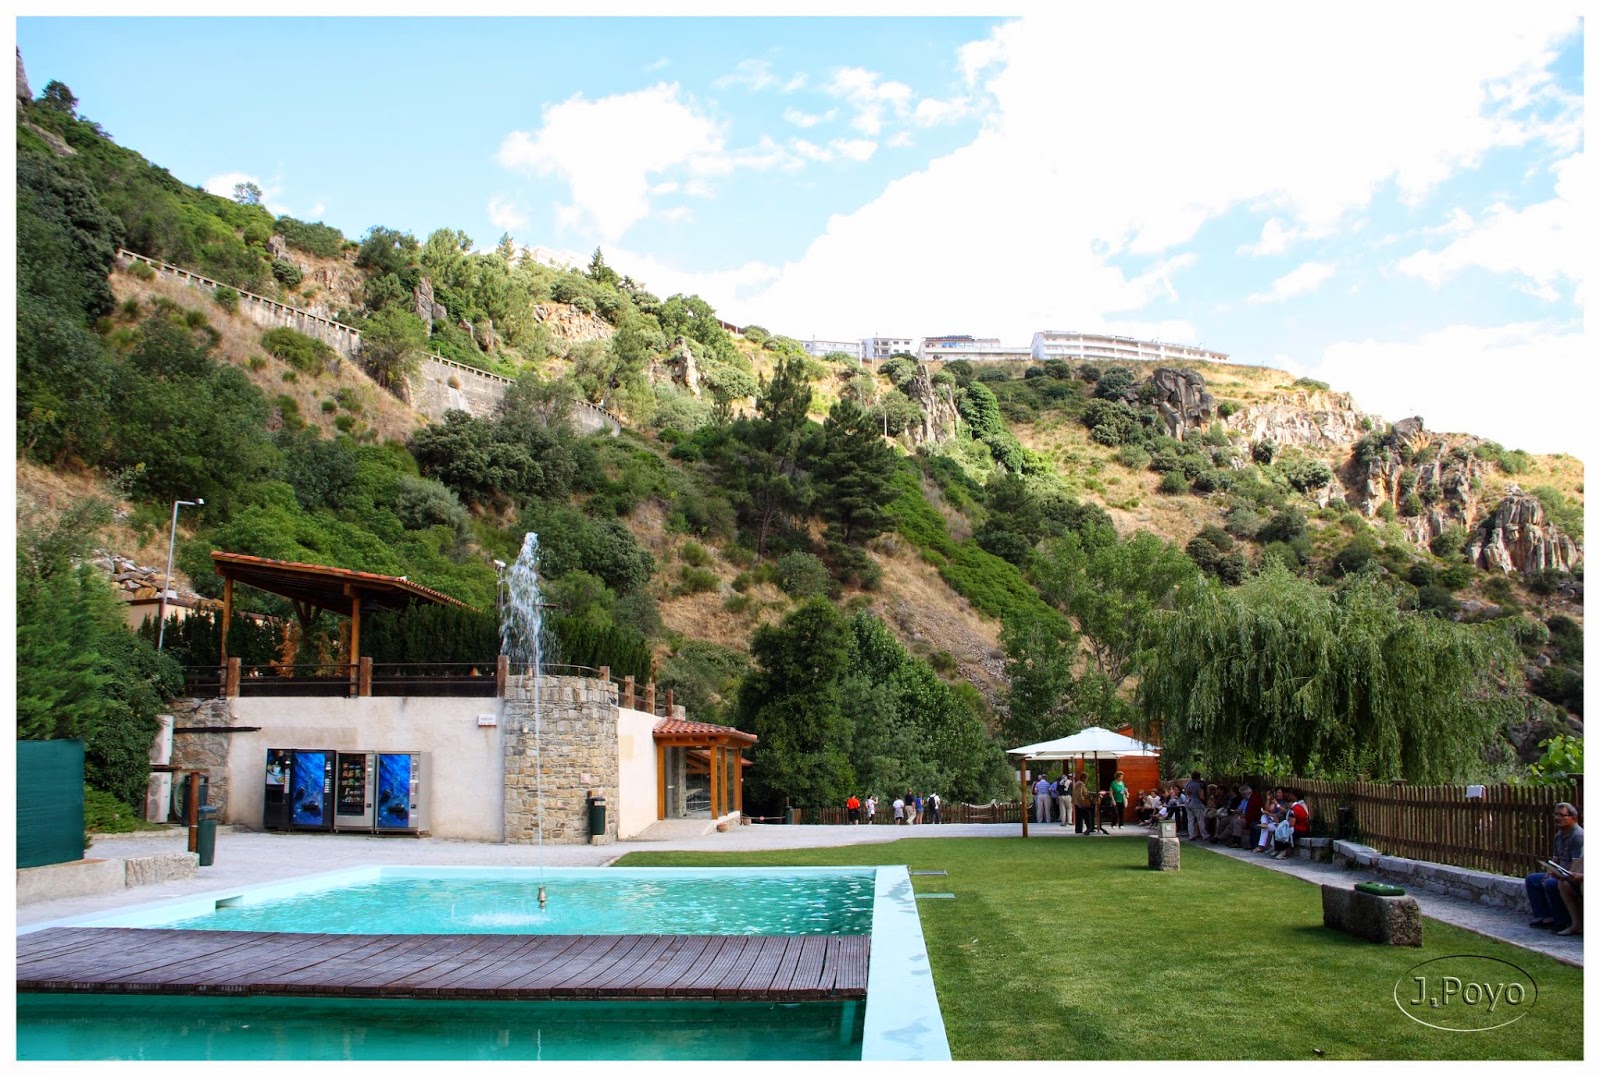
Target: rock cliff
(1182, 400)
(1517, 537)
(1312, 419)
(938, 404)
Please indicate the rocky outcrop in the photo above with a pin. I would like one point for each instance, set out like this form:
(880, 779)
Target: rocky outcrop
(423, 305)
(938, 403)
(679, 367)
(1181, 397)
(24, 95)
(572, 324)
(1314, 419)
(1516, 537)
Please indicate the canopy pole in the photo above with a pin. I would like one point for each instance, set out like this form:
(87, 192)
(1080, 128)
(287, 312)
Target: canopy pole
(1027, 804)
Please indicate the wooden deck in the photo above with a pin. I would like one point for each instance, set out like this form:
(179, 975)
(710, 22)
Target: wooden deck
(766, 968)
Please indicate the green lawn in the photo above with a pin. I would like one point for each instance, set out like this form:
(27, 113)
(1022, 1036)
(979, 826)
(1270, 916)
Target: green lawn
(1068, 949)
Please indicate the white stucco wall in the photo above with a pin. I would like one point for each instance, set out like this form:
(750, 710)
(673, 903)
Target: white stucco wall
(466, 798)
(636, 759)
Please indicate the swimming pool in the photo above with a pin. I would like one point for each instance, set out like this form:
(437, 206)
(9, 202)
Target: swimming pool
(900, 1019)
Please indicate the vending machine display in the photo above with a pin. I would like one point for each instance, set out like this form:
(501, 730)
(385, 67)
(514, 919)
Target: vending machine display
(402, 791)
(275, 804)
(311, 790)
(353, 791)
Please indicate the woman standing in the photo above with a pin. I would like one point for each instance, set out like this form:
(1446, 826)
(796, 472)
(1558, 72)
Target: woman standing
(1119, 798)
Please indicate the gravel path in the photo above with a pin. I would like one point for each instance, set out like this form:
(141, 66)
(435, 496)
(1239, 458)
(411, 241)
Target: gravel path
(246, 858)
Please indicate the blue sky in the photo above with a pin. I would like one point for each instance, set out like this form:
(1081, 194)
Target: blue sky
(1388, 200)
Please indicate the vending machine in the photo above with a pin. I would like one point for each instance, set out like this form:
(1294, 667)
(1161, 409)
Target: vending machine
(353, 801)
(403, 789)
(275, 802)
(311, 789)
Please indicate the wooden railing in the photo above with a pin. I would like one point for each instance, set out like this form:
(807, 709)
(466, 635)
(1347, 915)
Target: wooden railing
(1005, 811)
(1507, 829)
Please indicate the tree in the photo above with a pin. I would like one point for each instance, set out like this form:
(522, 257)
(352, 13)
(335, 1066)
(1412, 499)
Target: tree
(791, 701)
(760, 458)
(1039, 668)
(58, 96)
(247, 194)
(853, 474)
(1339, 682)
(1110, 589)
(393, 344)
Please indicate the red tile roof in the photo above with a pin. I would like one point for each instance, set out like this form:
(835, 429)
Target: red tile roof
(670, 727)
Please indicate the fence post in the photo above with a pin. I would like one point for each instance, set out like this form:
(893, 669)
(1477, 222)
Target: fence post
(230, 678)
(502, 674)
(627, 691)
(364, 677)
(650, 697)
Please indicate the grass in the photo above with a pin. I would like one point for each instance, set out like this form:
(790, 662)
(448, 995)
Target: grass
(1066, 949)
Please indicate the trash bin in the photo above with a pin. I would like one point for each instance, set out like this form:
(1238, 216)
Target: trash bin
(206, 835)
(1346, 823)
(597, 817)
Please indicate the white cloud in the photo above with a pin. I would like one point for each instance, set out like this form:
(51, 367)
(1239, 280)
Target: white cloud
(1301, 280)
(1241, 114)
(870, 96)
(505, 214)
(930, 111)
(649, 133)
(1544, 243)
(856, 149)
(1500, 382)
(1275, 238)
(751, 74)
(806, 120)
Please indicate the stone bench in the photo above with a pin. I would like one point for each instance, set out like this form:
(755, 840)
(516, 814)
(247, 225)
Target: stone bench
(78, 878)
(1393, 921)
(1317, 849)
(1482, 887)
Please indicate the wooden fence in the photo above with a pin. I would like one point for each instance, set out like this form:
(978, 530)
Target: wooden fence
(1507, 830)
(1005, 811)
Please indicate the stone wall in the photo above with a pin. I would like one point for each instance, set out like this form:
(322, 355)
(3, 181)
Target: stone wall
(207, 752)
(557, 756)
(440, 384)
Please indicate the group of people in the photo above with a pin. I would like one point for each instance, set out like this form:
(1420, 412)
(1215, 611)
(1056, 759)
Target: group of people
(1074, 797)
(1242, 818)
(907, 810)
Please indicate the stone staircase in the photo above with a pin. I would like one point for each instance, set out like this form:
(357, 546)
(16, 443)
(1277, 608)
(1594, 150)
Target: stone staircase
(676, 830)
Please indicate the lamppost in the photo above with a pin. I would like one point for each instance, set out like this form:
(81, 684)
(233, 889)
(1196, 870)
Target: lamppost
(166, 582)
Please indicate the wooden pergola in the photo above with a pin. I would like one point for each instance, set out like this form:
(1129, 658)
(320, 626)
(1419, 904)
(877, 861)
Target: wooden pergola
(310, 588)
(719, 748)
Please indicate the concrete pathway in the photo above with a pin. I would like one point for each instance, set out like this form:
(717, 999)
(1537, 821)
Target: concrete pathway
(245, 858)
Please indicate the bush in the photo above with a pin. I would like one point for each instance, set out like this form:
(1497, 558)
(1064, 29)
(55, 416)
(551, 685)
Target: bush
(313, 238)
(802, 575)
(298, 350)
(105, 814)
(1173, 482)
(142, 271)
(287, 273)
(693, 580)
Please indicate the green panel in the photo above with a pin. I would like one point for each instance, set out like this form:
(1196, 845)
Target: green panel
(49, 802)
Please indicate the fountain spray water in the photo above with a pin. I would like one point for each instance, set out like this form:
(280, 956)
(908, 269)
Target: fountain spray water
(521, 627)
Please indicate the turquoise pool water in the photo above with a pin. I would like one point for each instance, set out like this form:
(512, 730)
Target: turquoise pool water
(647, 905)
(135, 1027)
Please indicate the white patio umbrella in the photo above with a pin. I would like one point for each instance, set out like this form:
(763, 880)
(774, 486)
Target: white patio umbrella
(1091, 743)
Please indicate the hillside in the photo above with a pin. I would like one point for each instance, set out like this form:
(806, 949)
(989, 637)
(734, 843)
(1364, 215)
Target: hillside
(944, 502)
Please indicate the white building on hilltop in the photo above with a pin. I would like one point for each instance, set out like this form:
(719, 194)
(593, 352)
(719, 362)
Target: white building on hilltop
(1097, 347)
(819, 348)
(877, 349)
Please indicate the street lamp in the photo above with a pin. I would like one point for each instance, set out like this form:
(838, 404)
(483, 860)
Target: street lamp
(166, 583)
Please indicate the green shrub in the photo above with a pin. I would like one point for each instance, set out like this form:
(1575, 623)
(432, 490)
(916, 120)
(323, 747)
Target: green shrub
(298, 350)
(345, 423)
(693, 580)
(141, 271)
(1173, 482)
(194, 319)
(227, 298)
(287, 273)
(328, 407)
(1134, 457)
(802, 575)
(692, 553)
(313, 238)
(105, 814)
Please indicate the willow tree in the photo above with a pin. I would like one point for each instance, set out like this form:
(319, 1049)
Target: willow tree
(1335, 681)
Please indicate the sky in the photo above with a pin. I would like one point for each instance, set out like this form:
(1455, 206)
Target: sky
(1388, 198)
